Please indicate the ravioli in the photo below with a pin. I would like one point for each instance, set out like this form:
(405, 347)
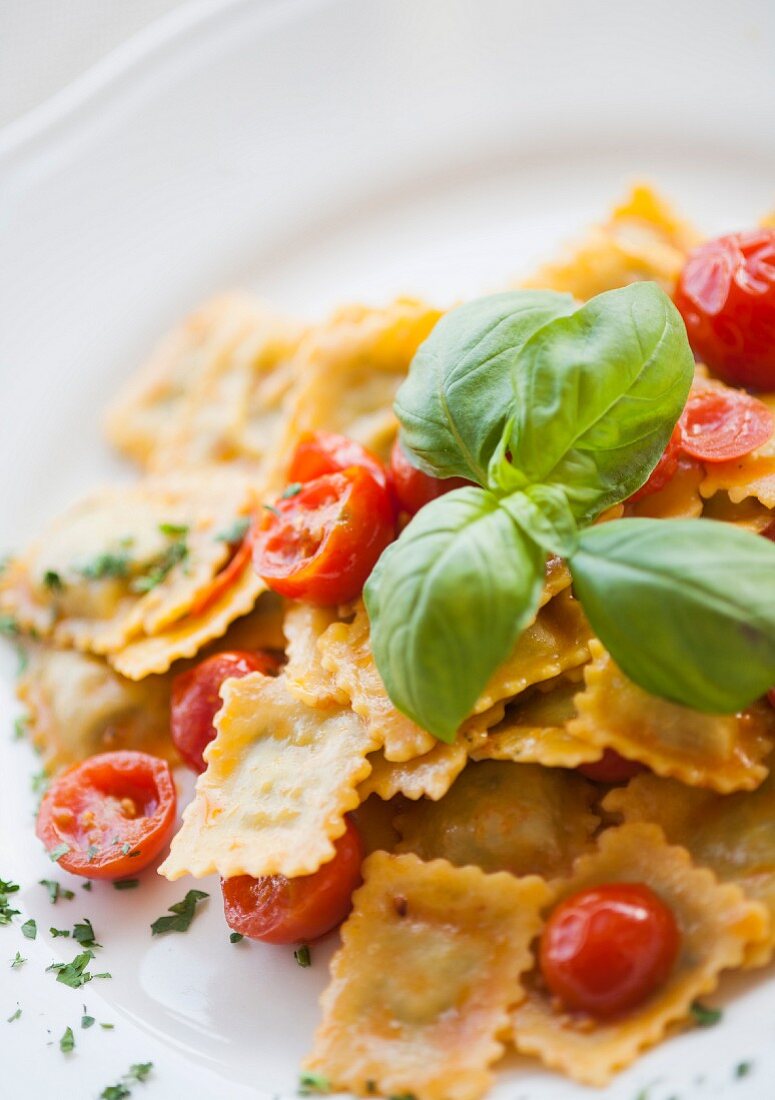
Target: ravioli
(280, 777)
(427, 776)
(723, 752)
(718, 925)
(733, 835)
(307, 678)
(430, 1026)
(679, 499)
(501, 816)
(642, 239)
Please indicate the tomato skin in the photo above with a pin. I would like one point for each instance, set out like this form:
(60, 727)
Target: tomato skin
(414, 488)
(275, 909)
(720, 424)
(109, 801)
(605, 950)
(726, 296)
(196, 700)
(321, 544)
(223, 580)
(320, 453)
(664, 469)
(611, 768)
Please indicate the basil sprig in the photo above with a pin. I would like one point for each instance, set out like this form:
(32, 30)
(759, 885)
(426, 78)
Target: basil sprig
(558, 411)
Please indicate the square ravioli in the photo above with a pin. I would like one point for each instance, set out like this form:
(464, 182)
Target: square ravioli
(429, 1027)
(280, 777)
(718, 924)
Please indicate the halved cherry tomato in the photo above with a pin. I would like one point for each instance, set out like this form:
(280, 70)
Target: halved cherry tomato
(720, 424)
(319, 453)
(726, 296)
(196, 699)
(276, 909)
(414, 488)
(664, 469)
(611, 768)
(607, 949)
(226, 577)
(321, 544)
(114, 813)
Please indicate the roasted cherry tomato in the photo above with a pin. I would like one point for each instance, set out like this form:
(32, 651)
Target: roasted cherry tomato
(611, 768)
(664, 469)
(607, 949)
(415, 489)
(113, 813)
(321, 544)
(196, 700)
(726, 296)
(319, 453)
(277, 909)
(720, 424)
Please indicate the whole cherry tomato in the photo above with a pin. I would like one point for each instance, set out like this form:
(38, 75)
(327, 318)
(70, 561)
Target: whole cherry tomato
(414, 488)
(322, 543)
(720, 424)
(196, 699)
(113, 814)
(726, 296)
(607, 949)
(319, 453)
(611, 768)
(664, 469)
(277, 909)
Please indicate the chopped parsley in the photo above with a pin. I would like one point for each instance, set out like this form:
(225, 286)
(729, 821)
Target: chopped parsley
(87, 1021)
(137, 1072)
(126, 883)
(20, 727)
(56, 853)
(39, 782)
(9, 626)
(84, 934)
(235, 532)
(56, 932)
(705, 1016)
(292, 490)
(6, 910)
(17, 961)
(271, 508)
(159, 569)
(174, 530)
(235, 937)
(743, 1069)
(312, 1083)
(107, 1027)
(30, 929)
(53, 581)
(302, 956)
(56, 890)
(67, 1042)
(75, 973)
(111, 563)
(183, 914)
(15, 1015)
(91, 852)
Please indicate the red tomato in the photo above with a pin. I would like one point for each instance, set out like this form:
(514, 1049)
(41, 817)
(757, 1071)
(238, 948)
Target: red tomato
(276, 909)
(321, 544)
(611, 768)
(726, 296)
(717, 425)
(607, 949)
(115, 812)
(415, 489)
(226, 577)
(196, 699)
(664, 469)
(319, 453)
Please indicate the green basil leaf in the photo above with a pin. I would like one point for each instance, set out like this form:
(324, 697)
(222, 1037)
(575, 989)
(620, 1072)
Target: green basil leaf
(598, 394)
(458, 395)
(543, 513)
(685, 607)
(447, 602)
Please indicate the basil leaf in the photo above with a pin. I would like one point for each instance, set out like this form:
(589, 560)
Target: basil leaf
(543, 513)
(447, 602)
(458, 395)
(685, 607)
(598, 394)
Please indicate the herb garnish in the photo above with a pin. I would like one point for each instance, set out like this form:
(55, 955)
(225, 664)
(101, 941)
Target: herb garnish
(235, 532)
(84, 934)
(235, 937)
(292, 490)
(743, 1069)
(75, 973)
(17, 961)
(9, 626)
(6, 910)
(56, 932)
(125, 883)
(67, 1042)
(302, 956)
(30, 929)
(159, 569)
(53, 581)
(56, 890)
(705, 1016)
(15, 1015)
(87, 1021)
(174, 530)
(56, 853)
(114, 564)
(183, 914)
(20, 727)
(313, 1083)
(557, 412)
(137, 1072)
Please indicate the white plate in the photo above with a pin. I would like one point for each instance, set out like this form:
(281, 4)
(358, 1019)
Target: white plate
(318, 151)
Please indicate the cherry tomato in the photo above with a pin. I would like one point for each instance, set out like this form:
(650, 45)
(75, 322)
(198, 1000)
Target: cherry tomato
(226, 577)
(415, 489)
(277, 909)
(114, 813)
(196, 700)
(611, 768)
(717, 425)
(607, 949)
(664, 469)
(726, 296)
(321, 544)
(319, 453)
